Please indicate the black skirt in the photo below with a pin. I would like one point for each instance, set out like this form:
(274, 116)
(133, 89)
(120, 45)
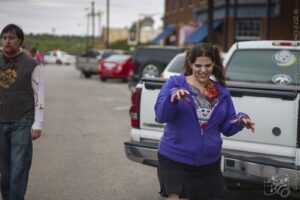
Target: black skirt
(188, 181)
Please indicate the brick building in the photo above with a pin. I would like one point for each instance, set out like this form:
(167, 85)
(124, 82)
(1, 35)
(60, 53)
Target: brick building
(186, 21)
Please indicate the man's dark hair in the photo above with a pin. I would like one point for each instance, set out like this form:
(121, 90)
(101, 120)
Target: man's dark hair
(12, 28)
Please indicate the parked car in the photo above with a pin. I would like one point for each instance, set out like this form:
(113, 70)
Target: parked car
(117, 66)
(150, 61)
(58, 57)
(88, 63)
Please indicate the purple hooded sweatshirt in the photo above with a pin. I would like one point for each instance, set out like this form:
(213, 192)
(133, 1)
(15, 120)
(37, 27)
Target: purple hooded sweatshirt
(184, 140)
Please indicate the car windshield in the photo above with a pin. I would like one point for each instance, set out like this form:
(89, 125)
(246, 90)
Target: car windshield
(264, 66)
(117, 58)
(176, 64)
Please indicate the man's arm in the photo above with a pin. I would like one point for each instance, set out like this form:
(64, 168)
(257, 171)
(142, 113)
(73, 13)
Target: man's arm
(39, 101)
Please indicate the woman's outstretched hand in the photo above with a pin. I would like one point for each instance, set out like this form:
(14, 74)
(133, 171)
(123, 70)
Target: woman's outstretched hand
(180, 94)
(245, 122)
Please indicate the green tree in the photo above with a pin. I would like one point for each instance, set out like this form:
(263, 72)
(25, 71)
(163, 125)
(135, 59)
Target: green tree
(120, 44)
(44, 42)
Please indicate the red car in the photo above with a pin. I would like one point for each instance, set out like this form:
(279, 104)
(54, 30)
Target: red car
(117, 66)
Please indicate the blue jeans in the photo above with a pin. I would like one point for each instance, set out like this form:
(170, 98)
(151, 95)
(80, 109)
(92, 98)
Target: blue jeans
(15, 158)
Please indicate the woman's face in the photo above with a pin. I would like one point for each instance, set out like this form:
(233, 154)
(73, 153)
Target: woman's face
(202, 69)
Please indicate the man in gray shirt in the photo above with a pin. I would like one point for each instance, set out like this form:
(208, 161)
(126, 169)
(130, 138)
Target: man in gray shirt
(21, 112)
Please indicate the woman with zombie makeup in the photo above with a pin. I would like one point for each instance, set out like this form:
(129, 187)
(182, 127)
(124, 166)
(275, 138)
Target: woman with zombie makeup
(196, 108)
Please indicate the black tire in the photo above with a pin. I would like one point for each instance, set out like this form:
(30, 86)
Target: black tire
(58, 62)
(103, 79)
(150, 69)
(87, 75)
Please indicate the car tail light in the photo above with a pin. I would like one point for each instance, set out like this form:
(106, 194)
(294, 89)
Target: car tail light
(286, 43)
(134, 110)
(130, 67)
(130, 74)
(119, 67)
(99, 67)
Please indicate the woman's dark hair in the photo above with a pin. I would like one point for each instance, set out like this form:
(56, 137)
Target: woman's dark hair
(12, 28)
(207, 50)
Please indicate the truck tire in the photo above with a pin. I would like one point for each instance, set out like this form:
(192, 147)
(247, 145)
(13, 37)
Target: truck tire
(103, 79)
(86, 75)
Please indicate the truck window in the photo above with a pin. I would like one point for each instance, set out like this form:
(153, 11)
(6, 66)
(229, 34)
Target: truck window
(176, 64)
(274, 66)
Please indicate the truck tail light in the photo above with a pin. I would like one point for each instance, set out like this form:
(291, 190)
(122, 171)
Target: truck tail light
(134, 110)
(286, 43)
(298, 127)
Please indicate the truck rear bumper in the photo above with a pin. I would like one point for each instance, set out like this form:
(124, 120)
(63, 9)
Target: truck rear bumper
(237, 171)
(246, 173)
(142, 152)
(88, 69)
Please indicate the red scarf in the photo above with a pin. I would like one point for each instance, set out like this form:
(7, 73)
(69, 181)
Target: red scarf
(210, 90)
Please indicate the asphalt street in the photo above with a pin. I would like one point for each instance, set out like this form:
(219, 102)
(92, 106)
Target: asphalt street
(80, 155)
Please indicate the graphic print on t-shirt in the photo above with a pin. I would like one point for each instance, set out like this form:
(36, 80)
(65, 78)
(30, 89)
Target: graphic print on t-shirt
(203, 114)
(7, 77)
(8, 73)
(204, 106)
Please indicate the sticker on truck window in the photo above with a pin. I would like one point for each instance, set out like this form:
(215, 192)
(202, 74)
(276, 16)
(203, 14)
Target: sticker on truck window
(284, 58)
(282, 79)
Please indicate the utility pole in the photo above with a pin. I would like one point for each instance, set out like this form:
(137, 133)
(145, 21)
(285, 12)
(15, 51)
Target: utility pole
(93, 22)
(107, 25)
(210, 20)
(227, 5)
(267, 34)
(99, 14)
(87, 30)
(93, 15)
(235, 16)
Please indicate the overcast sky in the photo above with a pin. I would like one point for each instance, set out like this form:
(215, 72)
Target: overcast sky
(69, 16)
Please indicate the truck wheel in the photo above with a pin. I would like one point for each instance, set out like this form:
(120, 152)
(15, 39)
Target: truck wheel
(150, 70)
(58, 62)
(103, 79)
(86, 75)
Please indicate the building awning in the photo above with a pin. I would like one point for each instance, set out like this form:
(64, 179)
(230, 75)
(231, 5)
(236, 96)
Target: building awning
(201, 33)
(166, 32)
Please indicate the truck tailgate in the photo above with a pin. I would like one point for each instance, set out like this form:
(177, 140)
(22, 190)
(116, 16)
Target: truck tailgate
(147, 119)
(279, 130)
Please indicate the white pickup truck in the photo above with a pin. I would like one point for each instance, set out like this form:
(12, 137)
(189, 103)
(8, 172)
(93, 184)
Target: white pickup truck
(264, 82)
